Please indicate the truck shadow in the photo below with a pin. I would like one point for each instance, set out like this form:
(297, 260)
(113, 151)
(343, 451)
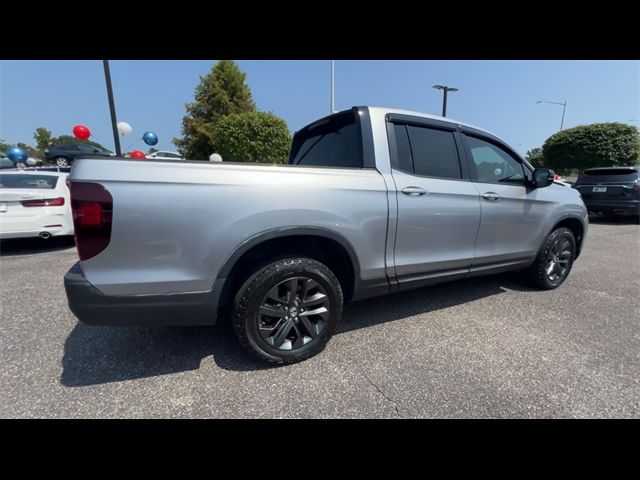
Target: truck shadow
(30, 246)
(96, 355)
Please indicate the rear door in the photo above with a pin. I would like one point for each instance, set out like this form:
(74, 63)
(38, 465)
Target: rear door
(438, 208)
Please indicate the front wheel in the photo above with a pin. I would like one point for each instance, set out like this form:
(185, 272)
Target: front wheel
(554, 261)
(288, 310)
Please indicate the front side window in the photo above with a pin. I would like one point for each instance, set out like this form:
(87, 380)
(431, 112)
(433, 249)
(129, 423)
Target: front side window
(334, 142)
(493, 164)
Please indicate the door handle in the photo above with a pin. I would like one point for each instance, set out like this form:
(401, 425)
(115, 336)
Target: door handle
(414, 191)
(490, 196)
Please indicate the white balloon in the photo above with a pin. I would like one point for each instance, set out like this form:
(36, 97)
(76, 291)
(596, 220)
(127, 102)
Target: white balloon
(124, 128)
(215, 157)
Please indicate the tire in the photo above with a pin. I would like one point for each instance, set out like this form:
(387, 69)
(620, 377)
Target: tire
(283, 328)
(62, 161)
(559, 247)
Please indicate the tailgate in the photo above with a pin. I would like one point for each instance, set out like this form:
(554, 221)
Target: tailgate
(608, 191)
(13, 215)
(11, 200)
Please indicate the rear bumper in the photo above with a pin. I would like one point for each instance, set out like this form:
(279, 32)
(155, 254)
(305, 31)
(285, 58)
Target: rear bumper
(613, 207)
(93, 307)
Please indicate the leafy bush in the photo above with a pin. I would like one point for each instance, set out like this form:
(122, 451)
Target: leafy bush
(252, 137)
(596, 145)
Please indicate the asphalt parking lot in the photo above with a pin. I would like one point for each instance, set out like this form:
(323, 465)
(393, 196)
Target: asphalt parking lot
(485, 347)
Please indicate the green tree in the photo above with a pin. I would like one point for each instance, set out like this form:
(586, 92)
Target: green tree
(534, 157)
(252, 137)
(221, 92)
(596, 145)
(43, 138)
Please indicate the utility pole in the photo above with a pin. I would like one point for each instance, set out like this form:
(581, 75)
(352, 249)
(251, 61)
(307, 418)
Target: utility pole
(333, 88)
(564, 108)
(112, 107)
(445, 91)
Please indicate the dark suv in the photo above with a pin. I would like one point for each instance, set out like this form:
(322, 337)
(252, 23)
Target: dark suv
(611, 190)
(64, 154)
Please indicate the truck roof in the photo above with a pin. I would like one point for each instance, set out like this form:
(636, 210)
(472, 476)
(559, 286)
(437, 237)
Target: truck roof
(386, 110)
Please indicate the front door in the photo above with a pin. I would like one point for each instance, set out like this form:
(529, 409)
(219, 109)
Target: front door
(512, 213)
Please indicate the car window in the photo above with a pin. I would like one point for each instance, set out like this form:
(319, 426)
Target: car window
(402, 159)
(47, 182)
(87, 148)
(493, 164)
(333, 142)
(434, 153)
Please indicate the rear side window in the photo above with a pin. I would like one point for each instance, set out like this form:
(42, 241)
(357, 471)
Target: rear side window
(434, 153)
(332, 142)
(46, 182)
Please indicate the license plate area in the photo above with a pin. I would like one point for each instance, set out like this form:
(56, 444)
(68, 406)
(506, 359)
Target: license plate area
(599, 189)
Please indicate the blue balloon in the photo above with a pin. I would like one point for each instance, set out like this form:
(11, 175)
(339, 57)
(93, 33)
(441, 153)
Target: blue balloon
(150, 138)
(17, 154)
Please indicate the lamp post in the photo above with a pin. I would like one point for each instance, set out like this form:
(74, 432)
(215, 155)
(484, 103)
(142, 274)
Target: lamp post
(445, 91)
(112, 107)
(333, 87)
(564, 108)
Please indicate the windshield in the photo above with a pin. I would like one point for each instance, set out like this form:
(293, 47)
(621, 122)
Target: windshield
(47, 182)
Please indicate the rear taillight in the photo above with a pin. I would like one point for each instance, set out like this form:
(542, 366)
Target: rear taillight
(92, 206)
(47, 202)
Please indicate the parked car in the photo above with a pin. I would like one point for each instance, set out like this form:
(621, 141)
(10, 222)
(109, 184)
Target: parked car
(164, 155)
(373, 201)
(64, 154)
(5, 162)
(611, 191)
(34, 162)
(34, 204)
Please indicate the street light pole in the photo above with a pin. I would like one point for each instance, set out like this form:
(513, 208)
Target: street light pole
(112, 107)
(333, 88)
(445, 91)
(564, 109)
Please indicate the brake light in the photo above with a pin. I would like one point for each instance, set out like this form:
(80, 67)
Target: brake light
(47, 202)
(91, 205)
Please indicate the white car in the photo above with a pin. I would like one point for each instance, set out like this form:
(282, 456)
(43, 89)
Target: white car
(34, 204)
(164, 155)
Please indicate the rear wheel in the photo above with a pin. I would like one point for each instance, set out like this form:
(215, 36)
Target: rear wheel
(62, 161)
(288, 310)
(554, 261)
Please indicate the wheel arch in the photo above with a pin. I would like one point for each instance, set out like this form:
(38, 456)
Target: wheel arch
(577, 228)
(322, 244)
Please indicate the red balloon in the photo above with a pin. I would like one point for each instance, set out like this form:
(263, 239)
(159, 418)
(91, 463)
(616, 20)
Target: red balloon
(138, 154)
(81, 132)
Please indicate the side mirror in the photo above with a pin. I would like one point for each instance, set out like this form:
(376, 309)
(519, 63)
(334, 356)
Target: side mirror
(542, 177)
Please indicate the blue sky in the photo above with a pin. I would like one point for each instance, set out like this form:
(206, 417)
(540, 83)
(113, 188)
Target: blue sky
(499, 96)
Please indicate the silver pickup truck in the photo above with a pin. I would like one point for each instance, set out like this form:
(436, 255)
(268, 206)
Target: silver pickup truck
(373, 201)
